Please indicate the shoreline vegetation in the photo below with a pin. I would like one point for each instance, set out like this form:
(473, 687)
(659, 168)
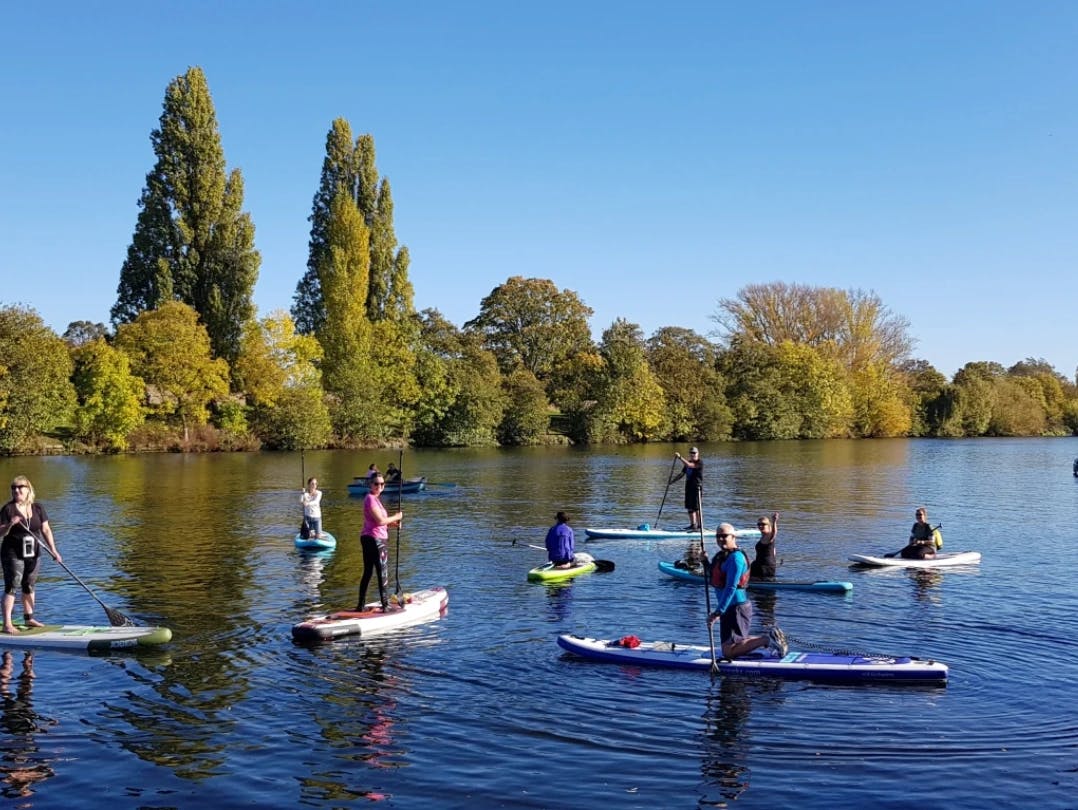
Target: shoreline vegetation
(188, 365)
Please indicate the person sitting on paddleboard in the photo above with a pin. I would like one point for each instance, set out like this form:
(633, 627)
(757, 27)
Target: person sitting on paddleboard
(311, 499)
(22, 523)
(692, 470)
(763, 567)
(559, 542)
(729, 576)
(922, 545)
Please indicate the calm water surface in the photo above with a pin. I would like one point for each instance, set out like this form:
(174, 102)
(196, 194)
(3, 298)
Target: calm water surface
(482, 708)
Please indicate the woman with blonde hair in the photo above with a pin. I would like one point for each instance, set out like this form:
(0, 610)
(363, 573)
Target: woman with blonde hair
(23, 526)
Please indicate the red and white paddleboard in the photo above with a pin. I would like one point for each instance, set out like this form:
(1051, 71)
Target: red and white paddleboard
(420, 607)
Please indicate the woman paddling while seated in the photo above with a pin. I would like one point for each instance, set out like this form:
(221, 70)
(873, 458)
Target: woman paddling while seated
(729, 577)
(922, 545)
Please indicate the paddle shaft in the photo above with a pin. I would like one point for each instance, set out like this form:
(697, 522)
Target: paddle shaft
(669, 481)
(707, 582)
(116, 618)
(400, 493)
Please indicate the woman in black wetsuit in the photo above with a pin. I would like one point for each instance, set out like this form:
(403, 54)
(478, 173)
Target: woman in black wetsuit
(763, 567)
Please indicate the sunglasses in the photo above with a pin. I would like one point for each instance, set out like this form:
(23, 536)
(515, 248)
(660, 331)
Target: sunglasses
(723, 535)
(762, 525)
(378, 483)
(18, 486)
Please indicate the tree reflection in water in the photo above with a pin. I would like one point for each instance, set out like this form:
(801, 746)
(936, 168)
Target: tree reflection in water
(20, 763)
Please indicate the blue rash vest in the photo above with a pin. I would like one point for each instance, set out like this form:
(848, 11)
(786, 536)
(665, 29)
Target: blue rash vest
(734, 567)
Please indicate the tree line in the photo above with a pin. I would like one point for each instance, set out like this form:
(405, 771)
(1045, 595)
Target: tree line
(187, 362)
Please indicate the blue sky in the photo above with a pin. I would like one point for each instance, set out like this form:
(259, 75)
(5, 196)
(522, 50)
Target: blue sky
(654, 158)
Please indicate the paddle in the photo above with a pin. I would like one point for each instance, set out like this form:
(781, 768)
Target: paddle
(669, 481)
(601, 566)
(400, 492)
(116, 618)
(896, 553)
(707, 582)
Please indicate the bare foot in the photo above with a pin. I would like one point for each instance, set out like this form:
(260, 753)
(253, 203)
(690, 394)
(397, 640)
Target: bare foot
(34, 623)
(10, 630)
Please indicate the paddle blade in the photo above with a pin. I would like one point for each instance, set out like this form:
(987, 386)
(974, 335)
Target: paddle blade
(117, 619)
(604, 566)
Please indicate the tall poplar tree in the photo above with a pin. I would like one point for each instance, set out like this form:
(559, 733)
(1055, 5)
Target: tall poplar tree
(349, 166)
(192, 242)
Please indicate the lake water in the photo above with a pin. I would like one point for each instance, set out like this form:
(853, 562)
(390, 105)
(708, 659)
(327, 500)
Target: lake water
(481, 708)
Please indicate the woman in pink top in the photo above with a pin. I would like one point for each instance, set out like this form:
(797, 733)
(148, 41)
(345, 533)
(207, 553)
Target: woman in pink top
(374, 542)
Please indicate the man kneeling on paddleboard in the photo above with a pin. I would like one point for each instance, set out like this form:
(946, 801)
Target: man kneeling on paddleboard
(730, 577)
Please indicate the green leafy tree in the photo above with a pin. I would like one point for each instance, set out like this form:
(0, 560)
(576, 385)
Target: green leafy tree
(192, 242)
(462, 400)
(927, 400)
(880, 402)
(170, 350)
(273, 357)
(629, 403)
(349, 167)
(36, 395)
(789, 391)
(79, 333)
(109, 396)
(530, 323)
(685, 365)
(298, 420)
(527, 412)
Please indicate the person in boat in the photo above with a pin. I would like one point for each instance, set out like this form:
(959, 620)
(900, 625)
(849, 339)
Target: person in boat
(765, 564)
(23, 525)
(729, 576)
(374, 541)
(922, 545)
(311, 499)
(393, 475)
(559, 542)
(692, 470)
(371, 472)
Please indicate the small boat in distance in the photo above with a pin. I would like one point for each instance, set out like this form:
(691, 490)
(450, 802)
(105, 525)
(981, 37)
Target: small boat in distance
(361, 486)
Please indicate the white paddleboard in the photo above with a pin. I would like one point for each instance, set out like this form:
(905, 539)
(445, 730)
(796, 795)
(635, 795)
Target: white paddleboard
(942, 559)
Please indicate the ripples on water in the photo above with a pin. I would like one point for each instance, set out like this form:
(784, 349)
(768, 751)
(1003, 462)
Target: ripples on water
(482, 708)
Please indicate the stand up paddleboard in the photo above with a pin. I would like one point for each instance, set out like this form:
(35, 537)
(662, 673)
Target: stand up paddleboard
(814, 666)
(548, 573)
(86, 637)
(821, 586)
(327, 540)
(941, 560)
(420, 607)
(643, 533)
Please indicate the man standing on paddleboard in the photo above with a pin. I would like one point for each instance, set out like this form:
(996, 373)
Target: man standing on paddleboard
(692, 470)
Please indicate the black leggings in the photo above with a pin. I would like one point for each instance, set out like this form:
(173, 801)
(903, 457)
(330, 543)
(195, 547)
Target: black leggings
(375, 558)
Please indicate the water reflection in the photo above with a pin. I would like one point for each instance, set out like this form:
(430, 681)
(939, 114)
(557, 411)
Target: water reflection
(725, 754)
(559, 600)
(357, 717)
(926, 582)
(22, 765)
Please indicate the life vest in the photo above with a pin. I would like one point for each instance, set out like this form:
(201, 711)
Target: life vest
(718, 576)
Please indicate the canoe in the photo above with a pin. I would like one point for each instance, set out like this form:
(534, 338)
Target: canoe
(642, 533)
(548, 573)
(409, 486)
(814, 666)
(821, 586)
(88, 638)
(327, 540)
(941, 560)
(420, 607)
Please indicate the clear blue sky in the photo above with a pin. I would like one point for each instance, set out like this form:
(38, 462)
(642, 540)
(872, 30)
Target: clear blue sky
(652, 157)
